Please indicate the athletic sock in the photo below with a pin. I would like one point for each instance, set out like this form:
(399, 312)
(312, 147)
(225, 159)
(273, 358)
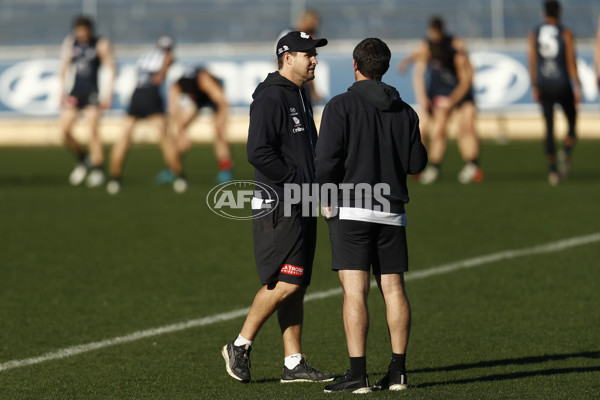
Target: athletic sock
(398, 363)
(475, 161)
(567, 149)
(437, 166)
(552, 167)
(241, 341)
(358, 366)
(292, 361)
(225, 165)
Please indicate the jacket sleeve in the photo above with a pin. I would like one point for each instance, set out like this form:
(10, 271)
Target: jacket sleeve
(418, 153)
(264, 142)
(330, 150)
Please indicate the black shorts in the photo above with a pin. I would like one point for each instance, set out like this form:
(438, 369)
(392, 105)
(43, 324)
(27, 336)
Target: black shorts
(202, 100)
(358, 245)
(284, 247)
(82, 98)
(146, 101)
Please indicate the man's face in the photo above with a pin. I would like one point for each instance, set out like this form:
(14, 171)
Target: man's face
(82, 33)
(434, 35)
(303, 65)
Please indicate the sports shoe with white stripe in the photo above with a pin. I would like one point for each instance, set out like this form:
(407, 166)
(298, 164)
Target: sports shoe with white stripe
(349, 383)
(78, 174)
(305, 373)
(237, 361)
(397, 382)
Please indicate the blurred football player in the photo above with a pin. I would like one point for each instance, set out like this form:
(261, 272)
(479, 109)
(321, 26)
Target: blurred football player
(147, 103)
(204, 90)
(554, 77)
(449, 90)
(84, 52)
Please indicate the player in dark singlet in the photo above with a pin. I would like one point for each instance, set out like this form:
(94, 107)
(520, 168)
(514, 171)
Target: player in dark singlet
(448, 90)
(554, 77)
(204, 90)
(147, 103)
(85, 53)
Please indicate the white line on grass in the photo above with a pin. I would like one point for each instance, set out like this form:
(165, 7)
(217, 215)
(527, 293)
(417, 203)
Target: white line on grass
(213, 319)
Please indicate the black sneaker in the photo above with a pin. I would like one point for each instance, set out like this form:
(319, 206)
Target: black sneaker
(237, 361)
(305, 373)
(397, 382)
(348, 383)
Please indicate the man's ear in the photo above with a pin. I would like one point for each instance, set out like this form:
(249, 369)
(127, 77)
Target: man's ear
(354, 64)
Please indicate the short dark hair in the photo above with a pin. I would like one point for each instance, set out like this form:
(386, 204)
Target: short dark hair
(280, 59)
(436, 22)
(552, 8)
(372, 58)
(83, 21)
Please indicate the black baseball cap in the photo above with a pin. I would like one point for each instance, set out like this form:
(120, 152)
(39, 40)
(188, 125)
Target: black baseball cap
(297, 41)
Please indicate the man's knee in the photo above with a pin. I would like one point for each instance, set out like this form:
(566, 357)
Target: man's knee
(286, 290)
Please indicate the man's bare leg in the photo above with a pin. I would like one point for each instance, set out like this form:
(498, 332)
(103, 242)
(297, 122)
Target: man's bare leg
(397, 310)
(268, 299)
(67, 118)
(167, 144)
(96, 149)
(120, 148)
(468, 142)
(398, 319)
(290, 315)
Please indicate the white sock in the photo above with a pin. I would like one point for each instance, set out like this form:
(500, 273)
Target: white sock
(292, 361)
(241, 341)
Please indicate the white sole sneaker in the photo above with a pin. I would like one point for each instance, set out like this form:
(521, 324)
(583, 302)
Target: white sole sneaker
(95, 178)
(113, 187)
(180, 185)
(78, 175)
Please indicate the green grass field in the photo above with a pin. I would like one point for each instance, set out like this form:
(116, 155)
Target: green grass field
(78, 266)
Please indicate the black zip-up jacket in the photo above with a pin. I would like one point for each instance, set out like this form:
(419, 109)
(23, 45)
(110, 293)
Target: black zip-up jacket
(282, 135)
(369, 135)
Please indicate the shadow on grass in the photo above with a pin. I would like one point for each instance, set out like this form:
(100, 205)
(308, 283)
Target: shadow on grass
(512, 375)
(511, 361)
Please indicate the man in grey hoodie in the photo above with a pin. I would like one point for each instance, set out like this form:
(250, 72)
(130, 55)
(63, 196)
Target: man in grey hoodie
(369, 138)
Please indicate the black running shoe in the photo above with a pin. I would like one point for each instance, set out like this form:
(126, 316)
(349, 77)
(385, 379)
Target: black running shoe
(237, 361)
(305, 373)
(348, 383)
(397, 381)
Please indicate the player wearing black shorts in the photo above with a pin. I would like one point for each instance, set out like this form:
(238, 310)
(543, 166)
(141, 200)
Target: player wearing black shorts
(554, 77)
(370, 136)
(147, 103)
(448, 91)
(204, 90)
(85, 54)
(281, 141)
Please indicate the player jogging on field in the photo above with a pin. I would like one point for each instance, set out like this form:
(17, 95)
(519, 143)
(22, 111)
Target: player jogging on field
(554, 77)
(204, 90)
(449, 90)
(370, 136)
(281, 142)
(147, 102)
(86, 53)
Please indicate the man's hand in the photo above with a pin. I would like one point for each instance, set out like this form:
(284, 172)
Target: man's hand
(326, 211)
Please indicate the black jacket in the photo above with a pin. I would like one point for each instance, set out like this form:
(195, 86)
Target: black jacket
(369, 135)
(282, 134)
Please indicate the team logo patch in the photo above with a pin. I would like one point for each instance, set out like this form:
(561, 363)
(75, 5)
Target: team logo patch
(304, 35)
(289, 269)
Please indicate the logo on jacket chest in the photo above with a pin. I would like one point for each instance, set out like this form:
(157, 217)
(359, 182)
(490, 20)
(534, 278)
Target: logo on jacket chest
(297, 121)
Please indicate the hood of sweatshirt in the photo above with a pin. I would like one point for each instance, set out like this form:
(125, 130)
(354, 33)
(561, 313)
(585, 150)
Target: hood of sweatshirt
(274, 78)
(379, 94)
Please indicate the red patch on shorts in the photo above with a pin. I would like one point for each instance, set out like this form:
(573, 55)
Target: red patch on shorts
(292, 270)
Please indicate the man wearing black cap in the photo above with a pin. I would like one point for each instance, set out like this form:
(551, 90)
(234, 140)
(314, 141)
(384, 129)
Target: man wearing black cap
(281, 146)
